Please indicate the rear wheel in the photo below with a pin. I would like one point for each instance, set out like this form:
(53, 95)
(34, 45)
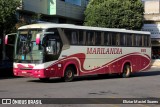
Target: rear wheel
(126, 71)
(69, 74)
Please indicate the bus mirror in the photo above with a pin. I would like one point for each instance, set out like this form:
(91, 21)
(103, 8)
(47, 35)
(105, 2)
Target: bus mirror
(38, 39)
(6, 39)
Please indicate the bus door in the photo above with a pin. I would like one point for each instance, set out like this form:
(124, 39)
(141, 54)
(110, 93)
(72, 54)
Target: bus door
(52, 46)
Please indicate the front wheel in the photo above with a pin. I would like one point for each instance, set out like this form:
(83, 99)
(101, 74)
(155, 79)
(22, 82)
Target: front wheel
(126, 71)
(69, 74)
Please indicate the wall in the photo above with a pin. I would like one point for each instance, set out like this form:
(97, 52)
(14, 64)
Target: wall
(65, 9)
(69, 9)
(38, 6)
(151, 6)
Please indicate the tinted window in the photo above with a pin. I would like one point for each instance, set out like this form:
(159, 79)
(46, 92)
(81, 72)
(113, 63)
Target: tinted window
(115, 39)
(129, 39)
(71, 36)
(107, 38)
(122, 39)
(98, 38)
(90, 40)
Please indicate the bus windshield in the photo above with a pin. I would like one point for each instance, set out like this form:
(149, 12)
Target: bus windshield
(26, 49)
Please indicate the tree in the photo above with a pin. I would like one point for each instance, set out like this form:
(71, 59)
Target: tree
(8, 15)
(126, 14)
(21, 22)
(34, 18)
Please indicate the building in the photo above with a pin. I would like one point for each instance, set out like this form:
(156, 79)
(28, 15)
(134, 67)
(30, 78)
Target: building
(151, 6)
(152, 24)
(57, 11)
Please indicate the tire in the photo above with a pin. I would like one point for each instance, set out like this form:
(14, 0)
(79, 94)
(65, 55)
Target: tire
(126, 71)
(44, 79)
(69, 74)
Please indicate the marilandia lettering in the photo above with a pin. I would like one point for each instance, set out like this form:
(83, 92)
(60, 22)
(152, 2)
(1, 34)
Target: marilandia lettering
(104, 50)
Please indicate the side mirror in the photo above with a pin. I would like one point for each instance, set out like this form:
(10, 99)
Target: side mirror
(6, 40)
(38, 39)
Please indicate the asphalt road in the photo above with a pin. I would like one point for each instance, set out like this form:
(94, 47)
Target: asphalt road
(144, 84)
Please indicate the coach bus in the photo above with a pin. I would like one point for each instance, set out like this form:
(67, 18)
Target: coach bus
(6, 55)
(49, 50)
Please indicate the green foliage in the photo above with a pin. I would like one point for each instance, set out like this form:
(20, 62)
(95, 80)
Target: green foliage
(7, 14)
(20, 23)
(115, 14)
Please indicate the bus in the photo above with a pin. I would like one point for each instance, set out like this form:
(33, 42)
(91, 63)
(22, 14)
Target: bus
(6, 55)
(49, 50)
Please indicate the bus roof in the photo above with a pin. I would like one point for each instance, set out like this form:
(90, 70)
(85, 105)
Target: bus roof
(54, 25)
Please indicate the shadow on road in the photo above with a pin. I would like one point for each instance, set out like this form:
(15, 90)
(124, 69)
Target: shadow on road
(6, 73)
(8, 76)
(147, 73)
(100, 77)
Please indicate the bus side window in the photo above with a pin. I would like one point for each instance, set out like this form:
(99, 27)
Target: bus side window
(107, 38)
(81, 38)
(115, 39)
(68, 34)
(129, 39)
(135, 40)
(122, 39)
(149, 40)
(90, 38)
(146, 40)
(74, 38)
(102, 38)
(138, 40)
(98, 39)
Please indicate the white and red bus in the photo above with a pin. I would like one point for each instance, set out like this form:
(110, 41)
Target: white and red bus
(48, 50)
(6, 54)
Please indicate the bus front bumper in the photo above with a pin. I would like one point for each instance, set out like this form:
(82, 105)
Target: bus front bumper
(29, 73)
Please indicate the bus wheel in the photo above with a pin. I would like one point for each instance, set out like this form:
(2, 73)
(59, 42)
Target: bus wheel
(44, 79)
(126, 71)
(69, 74)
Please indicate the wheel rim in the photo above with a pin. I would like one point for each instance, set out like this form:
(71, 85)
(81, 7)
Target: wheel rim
(69, 74)
(126, 71)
